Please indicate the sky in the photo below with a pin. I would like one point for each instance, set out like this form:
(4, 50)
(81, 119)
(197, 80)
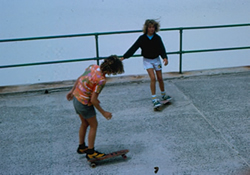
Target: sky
(30, 18)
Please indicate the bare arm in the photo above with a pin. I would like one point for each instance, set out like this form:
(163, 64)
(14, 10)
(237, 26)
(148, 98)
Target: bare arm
(96, 103)
(70, 95)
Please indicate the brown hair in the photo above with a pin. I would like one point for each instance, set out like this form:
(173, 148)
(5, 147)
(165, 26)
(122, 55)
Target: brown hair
(112, 65)
(151, 22)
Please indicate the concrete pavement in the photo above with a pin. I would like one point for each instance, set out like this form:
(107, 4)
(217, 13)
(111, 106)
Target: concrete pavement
(206, 130)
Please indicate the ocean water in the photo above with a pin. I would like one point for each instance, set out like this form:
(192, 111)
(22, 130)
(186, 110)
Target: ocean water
(30, 18)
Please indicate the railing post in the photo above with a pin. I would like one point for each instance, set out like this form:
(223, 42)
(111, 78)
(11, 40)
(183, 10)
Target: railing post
(180, 51)
(97, 48)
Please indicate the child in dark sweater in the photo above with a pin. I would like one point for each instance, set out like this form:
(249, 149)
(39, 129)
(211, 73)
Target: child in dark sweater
(151, 48)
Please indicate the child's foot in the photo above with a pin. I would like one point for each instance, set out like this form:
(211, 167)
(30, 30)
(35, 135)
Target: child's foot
(82, 149)
(92, 154)
(156, 103)
(166, 97)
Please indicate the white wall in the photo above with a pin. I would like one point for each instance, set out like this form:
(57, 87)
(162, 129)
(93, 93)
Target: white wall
(29, 18)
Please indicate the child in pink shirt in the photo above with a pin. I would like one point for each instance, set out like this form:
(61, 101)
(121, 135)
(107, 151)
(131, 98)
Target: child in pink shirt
(85, 99)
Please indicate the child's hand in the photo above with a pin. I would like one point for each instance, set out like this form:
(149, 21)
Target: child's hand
(69, 96)
(107, 115)
(165, 61)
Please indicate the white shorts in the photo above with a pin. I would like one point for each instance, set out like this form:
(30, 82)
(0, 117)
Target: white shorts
(152, 63)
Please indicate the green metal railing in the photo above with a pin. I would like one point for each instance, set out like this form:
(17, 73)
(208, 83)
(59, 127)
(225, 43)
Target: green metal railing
(97, 58)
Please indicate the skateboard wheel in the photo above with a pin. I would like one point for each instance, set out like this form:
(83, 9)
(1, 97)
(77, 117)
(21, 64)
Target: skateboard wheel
(156, 109)
(93, 165)
(124, 156)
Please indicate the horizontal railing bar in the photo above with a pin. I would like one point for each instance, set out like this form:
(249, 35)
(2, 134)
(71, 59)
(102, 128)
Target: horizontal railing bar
(100, 58)
(56, 62)
(49, 62)
(214, 50)
(216, 26)
(66, 36)
(46, 37)
(117, 32)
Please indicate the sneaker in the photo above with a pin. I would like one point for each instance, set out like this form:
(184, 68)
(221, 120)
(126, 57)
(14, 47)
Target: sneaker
(166, 97)
(95, 155)
(82, 149)
(156, 103)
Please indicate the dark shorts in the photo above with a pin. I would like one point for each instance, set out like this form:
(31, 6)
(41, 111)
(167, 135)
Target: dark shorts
(84, 110)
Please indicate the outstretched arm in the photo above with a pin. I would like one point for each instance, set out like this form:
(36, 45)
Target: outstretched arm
(132, 49)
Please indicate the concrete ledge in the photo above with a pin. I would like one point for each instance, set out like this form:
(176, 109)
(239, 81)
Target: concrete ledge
(56, 86)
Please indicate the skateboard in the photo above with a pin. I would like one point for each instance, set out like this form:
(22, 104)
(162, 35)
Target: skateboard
(109, 156)
(163, 102)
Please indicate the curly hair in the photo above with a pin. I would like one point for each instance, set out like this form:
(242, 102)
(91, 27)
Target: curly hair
(148, 22)
(112, 65)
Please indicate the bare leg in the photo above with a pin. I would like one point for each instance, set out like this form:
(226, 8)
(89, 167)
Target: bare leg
(153, 80)
(92, 131)
(160, 80)
(82, 130)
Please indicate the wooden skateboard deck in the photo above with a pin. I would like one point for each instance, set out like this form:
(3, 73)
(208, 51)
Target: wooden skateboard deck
(163, 102)
(109, 156)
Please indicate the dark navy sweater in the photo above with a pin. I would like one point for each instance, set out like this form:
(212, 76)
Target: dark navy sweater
(149, 48)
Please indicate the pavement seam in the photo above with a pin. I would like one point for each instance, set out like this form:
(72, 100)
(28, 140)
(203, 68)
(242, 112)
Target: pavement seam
(231, 146)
